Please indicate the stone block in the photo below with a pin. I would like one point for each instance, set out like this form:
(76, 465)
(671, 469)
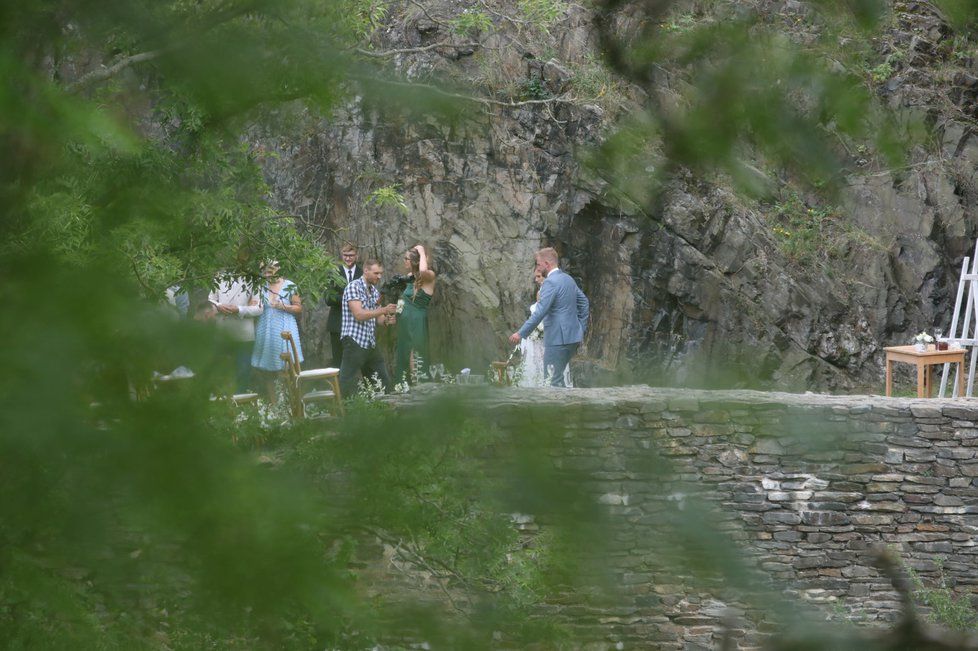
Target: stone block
(871, 519)
(788, 536)
(856, 572)
(919, 456)
(616, 499)
(893, 456)
(961, 413)
(781, 517)
(838, 496)
(824, 518)
(768, 446)
(628, 422)
(926, 411)
(685, 404)
(947, 500)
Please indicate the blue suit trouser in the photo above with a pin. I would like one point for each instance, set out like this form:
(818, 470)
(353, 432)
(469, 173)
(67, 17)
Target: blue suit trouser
(555, 360)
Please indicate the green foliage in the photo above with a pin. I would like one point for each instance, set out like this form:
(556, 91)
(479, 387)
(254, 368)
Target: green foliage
(803, 230)
(542, 14)
(362, 17)
(948, 608)
(593, 82)
(814, 235)
(961, 49)
(740, 89)
(131, 519)
(962, 14)
(471, 22)
(388, 197)
(885, 70)
(534, 88)
(681, 23)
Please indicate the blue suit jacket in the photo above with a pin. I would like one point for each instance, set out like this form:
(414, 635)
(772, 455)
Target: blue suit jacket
(563, 308)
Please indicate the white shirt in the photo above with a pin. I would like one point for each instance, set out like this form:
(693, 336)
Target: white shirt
(240, 326)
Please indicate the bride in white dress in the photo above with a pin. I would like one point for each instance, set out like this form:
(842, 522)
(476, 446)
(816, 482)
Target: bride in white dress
(531, 371)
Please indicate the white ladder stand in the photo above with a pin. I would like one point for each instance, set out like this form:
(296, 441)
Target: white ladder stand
(968, 334)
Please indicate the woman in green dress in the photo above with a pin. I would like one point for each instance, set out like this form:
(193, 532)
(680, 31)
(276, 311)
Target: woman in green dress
(412, 317)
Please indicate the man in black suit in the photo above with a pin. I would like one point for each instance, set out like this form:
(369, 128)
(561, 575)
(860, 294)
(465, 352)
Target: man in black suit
(350, 271)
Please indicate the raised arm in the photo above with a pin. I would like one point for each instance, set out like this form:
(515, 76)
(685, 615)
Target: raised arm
(422, 258)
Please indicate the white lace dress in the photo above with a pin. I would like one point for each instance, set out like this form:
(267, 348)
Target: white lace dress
(532, 373)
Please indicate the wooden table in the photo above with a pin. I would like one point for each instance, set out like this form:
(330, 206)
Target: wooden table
(923, 361)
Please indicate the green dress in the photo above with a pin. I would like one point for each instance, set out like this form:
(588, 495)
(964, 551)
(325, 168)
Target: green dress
(412, 333)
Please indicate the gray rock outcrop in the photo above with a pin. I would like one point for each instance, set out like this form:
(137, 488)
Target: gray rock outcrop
(702, 293)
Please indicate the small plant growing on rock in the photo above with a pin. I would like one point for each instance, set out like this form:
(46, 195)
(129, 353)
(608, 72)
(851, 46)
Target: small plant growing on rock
(471, 22)
(388, 196)
(946, 607)
(542, 14)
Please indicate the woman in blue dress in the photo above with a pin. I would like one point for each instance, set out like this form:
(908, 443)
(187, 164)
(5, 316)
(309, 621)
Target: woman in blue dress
(282, 304)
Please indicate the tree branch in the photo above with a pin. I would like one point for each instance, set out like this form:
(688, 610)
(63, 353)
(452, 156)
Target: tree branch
(564, 98)
(101, 74)
(412, 50)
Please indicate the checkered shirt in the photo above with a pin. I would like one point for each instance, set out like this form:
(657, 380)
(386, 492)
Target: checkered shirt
(362, 332)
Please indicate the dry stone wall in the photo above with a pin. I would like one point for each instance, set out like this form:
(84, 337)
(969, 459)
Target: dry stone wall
(806, 484)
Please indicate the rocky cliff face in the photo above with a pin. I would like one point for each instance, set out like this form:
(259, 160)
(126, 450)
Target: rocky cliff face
(705, 291)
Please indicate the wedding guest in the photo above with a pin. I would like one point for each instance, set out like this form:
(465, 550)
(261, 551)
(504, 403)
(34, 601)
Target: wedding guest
(361, 312)
(532, 372)
(564, 310)
(412, 316)
(281, 304)
(350, 271)
(237, 307)
(177, 297)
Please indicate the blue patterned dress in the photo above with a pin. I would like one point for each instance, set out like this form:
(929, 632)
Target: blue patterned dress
(269, 344)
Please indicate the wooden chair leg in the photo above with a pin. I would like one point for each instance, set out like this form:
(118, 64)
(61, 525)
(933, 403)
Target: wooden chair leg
(335, 383)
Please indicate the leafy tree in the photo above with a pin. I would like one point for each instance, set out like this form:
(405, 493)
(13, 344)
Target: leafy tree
(124, 170)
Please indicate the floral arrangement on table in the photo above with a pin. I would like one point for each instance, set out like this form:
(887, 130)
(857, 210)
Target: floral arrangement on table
(923, 338)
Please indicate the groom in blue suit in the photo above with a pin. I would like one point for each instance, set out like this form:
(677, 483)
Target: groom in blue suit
(564, 310)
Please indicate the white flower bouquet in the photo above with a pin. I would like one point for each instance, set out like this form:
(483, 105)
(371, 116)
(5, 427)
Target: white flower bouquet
(923, 338)
(400, 305)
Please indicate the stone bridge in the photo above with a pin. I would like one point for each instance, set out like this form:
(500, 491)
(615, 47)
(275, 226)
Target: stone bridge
(805, 485)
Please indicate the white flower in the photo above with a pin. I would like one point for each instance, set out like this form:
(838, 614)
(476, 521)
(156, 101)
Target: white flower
(923, 338)
(400, 305)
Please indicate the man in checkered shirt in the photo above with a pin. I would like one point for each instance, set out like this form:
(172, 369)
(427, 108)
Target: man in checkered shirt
(361, 310)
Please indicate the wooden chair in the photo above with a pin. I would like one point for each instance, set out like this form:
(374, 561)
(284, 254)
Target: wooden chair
(502, 378)
(239, 399)
(296, 377)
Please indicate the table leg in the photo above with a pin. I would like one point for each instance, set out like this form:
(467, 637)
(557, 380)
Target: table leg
(959, 379)
(920, 380)
(929, 379)
(889, 377)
